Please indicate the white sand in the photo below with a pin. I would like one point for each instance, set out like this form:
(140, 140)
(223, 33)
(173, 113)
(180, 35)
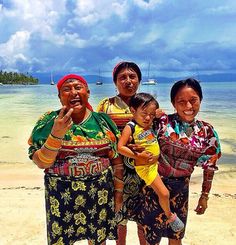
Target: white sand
(22, 213)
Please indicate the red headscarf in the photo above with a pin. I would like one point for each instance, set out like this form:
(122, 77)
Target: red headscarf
(77, 77)
(115, 68)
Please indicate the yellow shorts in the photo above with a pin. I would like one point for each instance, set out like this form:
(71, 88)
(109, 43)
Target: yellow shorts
(147, 172)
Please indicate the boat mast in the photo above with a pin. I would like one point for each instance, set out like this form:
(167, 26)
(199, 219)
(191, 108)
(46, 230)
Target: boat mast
(52, 82)
(148, 69)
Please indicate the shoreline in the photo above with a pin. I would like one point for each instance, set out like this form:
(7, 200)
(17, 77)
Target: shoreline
(22, 208)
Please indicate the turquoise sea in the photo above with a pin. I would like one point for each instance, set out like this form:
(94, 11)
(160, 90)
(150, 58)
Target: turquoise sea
(22, 105)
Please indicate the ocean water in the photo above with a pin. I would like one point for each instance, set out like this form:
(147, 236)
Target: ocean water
(21, 106)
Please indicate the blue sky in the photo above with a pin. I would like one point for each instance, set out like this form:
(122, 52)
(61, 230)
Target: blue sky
(176, 37)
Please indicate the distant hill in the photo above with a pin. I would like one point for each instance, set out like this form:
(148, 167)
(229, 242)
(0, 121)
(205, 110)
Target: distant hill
(224, 77)
(45, 78)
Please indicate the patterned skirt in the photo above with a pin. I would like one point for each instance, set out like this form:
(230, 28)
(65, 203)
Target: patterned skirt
(146, 210)
(80, 208)
(133, 185)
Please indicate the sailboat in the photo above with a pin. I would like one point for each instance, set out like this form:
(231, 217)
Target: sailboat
(99, 81)
(52, 82)
(149, 81)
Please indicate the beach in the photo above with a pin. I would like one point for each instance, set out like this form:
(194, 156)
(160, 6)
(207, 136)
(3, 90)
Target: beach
(22, 211)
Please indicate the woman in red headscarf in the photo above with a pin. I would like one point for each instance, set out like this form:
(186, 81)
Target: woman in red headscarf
(76, 147)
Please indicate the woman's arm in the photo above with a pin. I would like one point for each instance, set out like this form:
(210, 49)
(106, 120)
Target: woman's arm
(46, 155)
(206, 187)
(208, 163)
(118, 171)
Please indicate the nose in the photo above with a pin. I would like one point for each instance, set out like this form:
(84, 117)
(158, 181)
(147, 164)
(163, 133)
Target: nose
(128, 80)
(188, 105)
(73, 91)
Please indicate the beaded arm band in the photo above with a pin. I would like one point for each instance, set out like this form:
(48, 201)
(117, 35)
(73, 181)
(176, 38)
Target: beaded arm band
(53, 143)
(55, 137)
(118, 184)
(45, 159)
(207, 182)
(118, 174)
(203, 196)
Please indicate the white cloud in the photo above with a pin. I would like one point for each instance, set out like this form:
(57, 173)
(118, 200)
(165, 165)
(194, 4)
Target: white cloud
(74, 40)
(147, 4)
(16, 47)
(155, 32)
(15, 50)
(48, 33)
(120, 37)
(35, 16)
(222, 9)
(89, 12)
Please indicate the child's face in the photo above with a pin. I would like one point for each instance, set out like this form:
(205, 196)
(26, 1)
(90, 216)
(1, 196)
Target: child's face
(144, 115)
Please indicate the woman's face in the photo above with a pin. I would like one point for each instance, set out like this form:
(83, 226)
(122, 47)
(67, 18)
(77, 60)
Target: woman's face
(187, 104)
(74, 94)
(127, 82)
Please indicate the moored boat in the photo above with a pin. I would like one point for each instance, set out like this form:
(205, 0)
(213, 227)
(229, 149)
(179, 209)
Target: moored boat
(150, 82)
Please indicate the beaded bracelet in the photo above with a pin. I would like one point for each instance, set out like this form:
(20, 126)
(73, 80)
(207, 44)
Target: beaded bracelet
(44, 158)
(204, 195)
(50, 148)
(52, 143)
(118, 184)
(118, 180)
(55, 137)
(119, 190)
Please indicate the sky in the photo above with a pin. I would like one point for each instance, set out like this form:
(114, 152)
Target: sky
(164, 37)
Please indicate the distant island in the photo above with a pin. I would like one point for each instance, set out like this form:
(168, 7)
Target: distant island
(17, 78)
(44, 78)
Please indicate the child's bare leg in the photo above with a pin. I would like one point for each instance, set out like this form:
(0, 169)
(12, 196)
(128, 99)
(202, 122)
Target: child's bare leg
(163, 195)
(172, 219)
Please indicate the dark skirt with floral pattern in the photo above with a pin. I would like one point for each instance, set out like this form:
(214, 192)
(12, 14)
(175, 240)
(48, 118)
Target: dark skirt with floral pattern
(146, 210)
(80, 208)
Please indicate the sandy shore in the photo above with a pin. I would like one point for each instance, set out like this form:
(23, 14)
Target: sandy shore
(22, 214)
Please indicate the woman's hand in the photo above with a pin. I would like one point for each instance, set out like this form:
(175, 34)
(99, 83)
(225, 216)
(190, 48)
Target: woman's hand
(202, 205)
(159, 113)
(62, 123)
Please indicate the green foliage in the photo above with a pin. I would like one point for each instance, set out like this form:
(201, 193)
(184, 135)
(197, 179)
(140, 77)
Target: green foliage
(17, 78)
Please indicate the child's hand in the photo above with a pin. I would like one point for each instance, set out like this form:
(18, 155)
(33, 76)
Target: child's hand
(136, 148)
(145, 158)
